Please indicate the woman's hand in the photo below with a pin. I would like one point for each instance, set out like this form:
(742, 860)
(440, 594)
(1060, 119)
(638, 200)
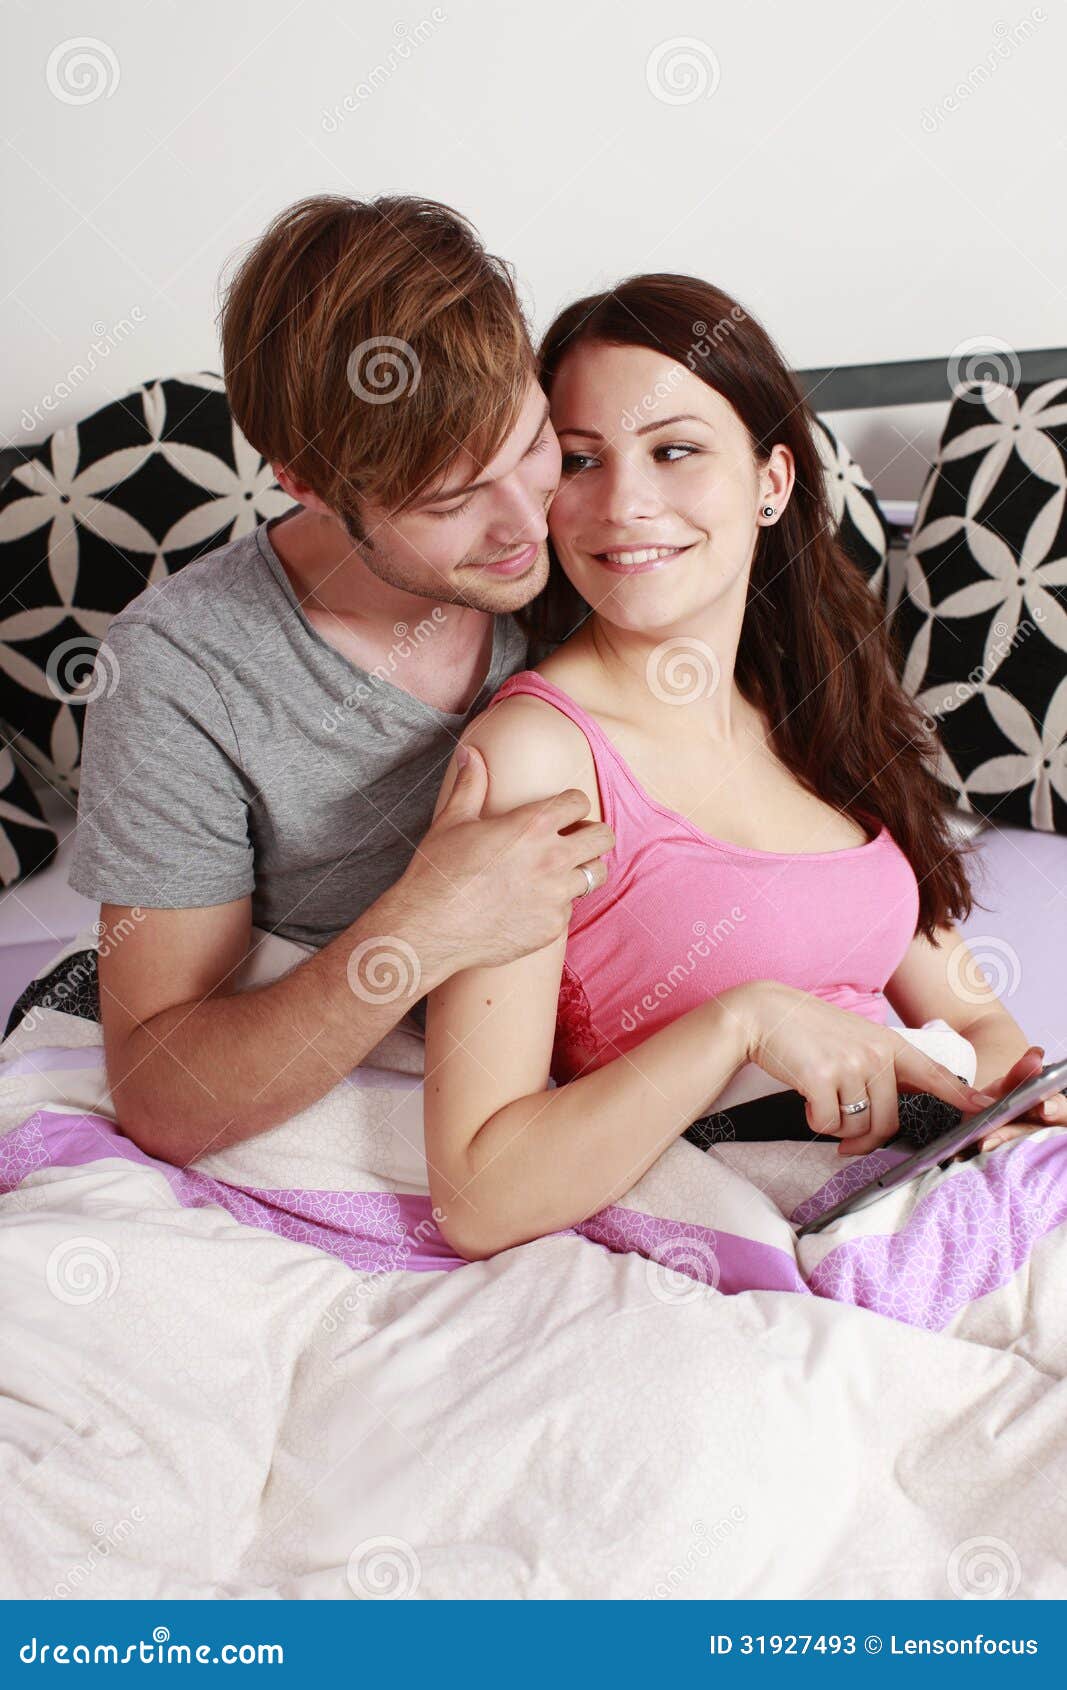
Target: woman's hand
(833, 1057)
(1051, 1113)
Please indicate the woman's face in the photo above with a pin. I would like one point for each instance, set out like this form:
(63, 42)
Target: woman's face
(659, 503)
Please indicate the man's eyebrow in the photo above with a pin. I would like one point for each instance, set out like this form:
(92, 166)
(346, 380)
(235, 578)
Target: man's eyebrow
(475, 486)
(649, 428)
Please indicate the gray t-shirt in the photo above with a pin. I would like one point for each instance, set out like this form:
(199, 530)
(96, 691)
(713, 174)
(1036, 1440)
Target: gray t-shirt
(231, 750)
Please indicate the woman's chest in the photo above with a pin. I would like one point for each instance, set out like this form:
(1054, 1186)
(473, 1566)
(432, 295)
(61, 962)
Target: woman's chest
(680, 921)
(748, 799)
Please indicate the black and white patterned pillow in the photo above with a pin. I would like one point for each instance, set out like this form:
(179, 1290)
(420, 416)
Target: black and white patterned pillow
(70, 986)
(861, 527)
(982, 622)
(99, 511)
(27, 840)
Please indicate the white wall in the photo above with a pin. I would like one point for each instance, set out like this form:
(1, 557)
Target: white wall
(822, 177)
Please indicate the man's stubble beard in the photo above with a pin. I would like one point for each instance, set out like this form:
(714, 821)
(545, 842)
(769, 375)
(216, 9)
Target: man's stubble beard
(492, 595)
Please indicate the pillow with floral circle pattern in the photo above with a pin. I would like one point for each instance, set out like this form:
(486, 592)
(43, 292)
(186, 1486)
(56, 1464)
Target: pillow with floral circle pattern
(982, 621)
(93, 515)
(27, 839)
(861, 528)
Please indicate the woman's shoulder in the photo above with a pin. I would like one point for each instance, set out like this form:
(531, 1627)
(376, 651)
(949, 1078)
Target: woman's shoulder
(523, 721)
(531, 749)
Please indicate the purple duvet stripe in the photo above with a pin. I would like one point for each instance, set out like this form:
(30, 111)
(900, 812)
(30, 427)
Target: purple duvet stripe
(372, 1231)
(723, 1259)
(968, 1236)
(384, 1231)
(965, 1238)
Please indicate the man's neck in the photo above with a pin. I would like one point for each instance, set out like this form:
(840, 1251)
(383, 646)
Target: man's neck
(325, 569)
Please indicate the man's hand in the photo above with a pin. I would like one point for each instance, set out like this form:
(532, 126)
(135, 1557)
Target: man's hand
(1051, 1113)
(502, 885)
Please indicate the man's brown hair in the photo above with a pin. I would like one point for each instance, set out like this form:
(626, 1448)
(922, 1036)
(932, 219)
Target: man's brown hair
(367, 343)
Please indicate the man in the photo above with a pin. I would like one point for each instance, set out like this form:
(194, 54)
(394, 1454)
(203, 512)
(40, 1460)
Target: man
(285, 708)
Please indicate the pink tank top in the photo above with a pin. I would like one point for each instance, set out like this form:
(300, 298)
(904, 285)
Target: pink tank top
(682, 917)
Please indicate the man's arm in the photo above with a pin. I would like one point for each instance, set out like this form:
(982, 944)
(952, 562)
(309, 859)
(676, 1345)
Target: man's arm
(194, 1066)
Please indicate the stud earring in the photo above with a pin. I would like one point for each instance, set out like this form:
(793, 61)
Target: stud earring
(768, 510)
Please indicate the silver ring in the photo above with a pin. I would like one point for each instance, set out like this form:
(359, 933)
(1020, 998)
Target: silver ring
(855, 1108)
(590, 877)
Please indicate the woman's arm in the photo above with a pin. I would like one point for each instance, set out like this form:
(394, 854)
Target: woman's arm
(944, 981)
(508, 1159)
(503, 1168)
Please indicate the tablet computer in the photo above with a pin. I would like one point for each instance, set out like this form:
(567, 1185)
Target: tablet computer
(1052, 1078)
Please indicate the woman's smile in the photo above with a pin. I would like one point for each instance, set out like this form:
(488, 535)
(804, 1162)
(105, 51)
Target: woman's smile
(637, 560)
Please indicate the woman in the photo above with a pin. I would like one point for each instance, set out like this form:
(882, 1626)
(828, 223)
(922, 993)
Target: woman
(723, 695)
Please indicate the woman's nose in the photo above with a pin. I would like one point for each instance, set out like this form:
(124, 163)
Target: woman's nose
(626, 492)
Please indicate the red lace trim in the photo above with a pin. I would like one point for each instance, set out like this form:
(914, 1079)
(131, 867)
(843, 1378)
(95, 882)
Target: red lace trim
(576, 1043)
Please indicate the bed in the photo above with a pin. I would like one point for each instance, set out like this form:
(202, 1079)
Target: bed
(268, 1375)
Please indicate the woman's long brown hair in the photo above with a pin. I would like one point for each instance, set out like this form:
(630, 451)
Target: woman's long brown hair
(815, 655)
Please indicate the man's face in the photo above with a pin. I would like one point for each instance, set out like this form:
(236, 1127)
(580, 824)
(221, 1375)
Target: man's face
(481, 538)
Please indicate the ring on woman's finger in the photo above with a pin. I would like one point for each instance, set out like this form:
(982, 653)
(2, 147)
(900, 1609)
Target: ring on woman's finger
(855, 1108)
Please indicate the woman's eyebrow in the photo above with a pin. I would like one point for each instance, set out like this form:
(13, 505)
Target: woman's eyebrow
(649, 428)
